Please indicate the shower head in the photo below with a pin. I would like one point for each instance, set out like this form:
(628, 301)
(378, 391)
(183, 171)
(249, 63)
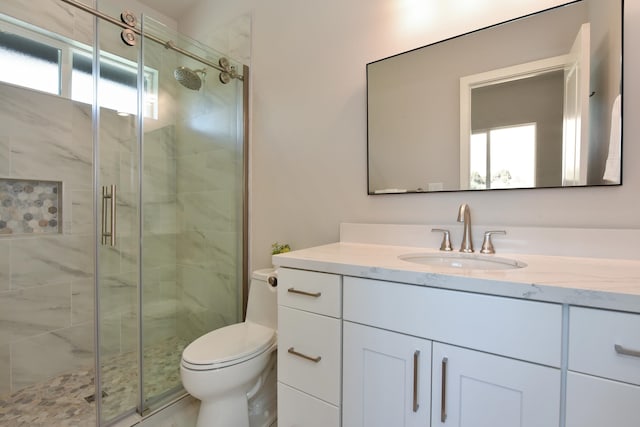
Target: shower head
(189, 78)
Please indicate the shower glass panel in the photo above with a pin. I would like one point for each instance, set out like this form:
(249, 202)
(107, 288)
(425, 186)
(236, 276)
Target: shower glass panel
(192, 207)
(47, 348)
(117, 198)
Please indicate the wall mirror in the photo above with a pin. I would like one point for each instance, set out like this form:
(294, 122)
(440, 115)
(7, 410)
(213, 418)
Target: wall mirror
(534, 102)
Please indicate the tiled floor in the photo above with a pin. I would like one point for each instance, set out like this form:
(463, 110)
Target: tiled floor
(60, 402)
(161, 372)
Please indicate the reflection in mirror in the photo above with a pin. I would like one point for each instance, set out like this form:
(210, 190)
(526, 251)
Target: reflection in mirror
(534, 102)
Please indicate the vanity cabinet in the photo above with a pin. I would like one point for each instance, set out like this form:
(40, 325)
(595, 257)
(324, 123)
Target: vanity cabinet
(387, 378)
(309, 348)
(361, 352)
(603, 382)
(496, 361)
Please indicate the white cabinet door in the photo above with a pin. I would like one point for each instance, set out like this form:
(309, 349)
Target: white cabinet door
(598, 402)
(386, 379)
(475, 389)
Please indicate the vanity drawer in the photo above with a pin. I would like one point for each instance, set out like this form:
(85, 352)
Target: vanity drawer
(593, 337)
(309, 351)
(299, 409)
(521, 329)
(310, 291)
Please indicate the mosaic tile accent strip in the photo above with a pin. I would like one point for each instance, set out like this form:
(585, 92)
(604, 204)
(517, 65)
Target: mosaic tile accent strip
(30, 207)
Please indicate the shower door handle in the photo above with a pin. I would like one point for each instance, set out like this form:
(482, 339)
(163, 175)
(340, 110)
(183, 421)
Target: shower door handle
(109, 215)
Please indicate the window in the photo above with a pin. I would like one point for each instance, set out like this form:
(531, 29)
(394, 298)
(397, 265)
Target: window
(503, 157)
(118, 83)
(29, 63)
(36, 62)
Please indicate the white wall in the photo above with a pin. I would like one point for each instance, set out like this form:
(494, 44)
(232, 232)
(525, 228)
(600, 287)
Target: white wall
(308, 118)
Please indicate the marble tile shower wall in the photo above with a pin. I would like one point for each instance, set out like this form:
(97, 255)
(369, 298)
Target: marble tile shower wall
(160, 294)
(46, 291)
(209, 217)
(191, 215)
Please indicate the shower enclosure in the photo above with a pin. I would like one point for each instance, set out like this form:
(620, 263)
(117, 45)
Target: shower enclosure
(122, 209)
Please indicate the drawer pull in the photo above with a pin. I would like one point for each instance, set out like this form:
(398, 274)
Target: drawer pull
(309, 294)
(304, 356)
(416, 360)
(443, 400)
(626, 351)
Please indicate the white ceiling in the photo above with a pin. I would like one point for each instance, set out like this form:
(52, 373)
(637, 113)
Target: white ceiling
(171, 8)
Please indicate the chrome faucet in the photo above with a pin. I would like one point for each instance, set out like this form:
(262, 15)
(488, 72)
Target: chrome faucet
(464, 216)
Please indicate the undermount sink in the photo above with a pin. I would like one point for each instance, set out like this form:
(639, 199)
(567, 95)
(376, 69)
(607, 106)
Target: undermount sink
(463, 261)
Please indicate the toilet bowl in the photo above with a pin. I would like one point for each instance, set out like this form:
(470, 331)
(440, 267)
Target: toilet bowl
(226, 367)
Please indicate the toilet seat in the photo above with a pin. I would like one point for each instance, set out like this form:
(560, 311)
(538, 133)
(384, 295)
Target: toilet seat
(228, 346)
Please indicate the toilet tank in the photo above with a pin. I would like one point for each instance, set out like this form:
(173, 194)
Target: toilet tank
(262, 307)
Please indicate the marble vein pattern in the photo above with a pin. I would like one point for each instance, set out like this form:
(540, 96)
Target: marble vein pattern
(209, 300)
(5, 148)
(45, 143)
(213, 170)
(29, 312)
(39, 358)
(211, 210)
(49, 260)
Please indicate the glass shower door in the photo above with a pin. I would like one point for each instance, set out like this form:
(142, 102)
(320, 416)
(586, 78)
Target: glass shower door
(192, 204)
(117, 207)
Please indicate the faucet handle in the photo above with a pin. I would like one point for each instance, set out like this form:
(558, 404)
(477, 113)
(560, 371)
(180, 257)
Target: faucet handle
(446, 239)
(487, 245)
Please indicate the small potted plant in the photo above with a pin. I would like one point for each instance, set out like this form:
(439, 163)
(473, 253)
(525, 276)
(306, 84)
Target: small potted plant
(280, 248)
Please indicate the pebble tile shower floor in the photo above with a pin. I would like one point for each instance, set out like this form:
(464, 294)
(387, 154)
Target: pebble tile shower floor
(60, 402)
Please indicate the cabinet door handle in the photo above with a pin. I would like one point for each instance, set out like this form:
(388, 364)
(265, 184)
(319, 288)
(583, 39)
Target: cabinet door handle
(443, 400)
(309, 294)
(626, 351)
(304, 356)
(416, 360)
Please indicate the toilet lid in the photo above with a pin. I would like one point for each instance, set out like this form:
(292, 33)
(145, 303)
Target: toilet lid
(230, 343)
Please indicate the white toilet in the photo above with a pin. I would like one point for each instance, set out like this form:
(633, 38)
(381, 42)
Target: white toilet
(228, 366)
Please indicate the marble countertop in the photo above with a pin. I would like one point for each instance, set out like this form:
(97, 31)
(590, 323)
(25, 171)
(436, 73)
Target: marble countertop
(593, 282)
